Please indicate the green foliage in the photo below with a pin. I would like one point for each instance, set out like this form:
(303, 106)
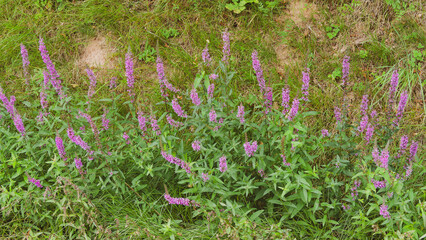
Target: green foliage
(149, 54)
(237, 6)
(332, 30)
(169, 33)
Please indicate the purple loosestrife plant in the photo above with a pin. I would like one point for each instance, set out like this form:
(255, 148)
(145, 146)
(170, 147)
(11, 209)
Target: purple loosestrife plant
(213, 76)
(212, 115)
(294, 109)
(393, 87)
(363, 124)
(177, 201)
(176, 161)
(268, 96)
(206, 56)
(223, 166)
(25, 63)
(178, 109)
(240, 113)
(154, 125)
(259, 72)
(78, 163)
(413, 150)
(60, 146)
(369, 133)
(337, 114)
(105, 121)
(92, 86)
(403, 143)
(77, 140)
(196, 145)
(384, 211)
(172, 122)
(305, 86)
(43, 95)
(129, 74)
(354, 192)
(210, 90)
(54, 76)
(113, 83)
(364, 104)
(285, 99)
(126, 137)
(205, 177)
(401, 107)
(142, 120)
(345, 70)
(17, 120)
(226, 47)
(194, 97)
(384, 159)
(164, 84)
(9, 105)
(35, 182)
(379, 184)
(325, 133)
(250, 149)
(285, 160)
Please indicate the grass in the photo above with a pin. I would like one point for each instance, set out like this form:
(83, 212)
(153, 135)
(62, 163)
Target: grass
(135, 24)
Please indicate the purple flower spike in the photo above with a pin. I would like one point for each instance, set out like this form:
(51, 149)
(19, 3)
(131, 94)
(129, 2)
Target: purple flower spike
(213, 76)
(413, 150)
(43, 95)
(250, 148)
(178, 109)
(92, 86)
(8, 104)
(364, 105)
(206, 56)
(77, 140)
(384, 159)
(401, 107)
(379, 184)
(210, 90)
(177, 201)
(113, 83)
(305, 86)
(25, 62)
(337, 114)
(222, 164)
(17, 120)
(369, 133)
(194, 97)
(176, 161)
(345, 70)
(164, 84)
(259, 72)
(226, 47)
(268, 96)
(285, 99)
(393, 86)
(403, 145)
(196, 145)
(205, 177)
(363, 123)
(78, 163)
(384, 211)
(154, 125)
(35, 182)
(240, 114)
(325, 133)
(213, 115)
(172, 122)
(294, 109)
(126, 137)
(60, 146)
(285, 160)
(54, 76)
(129, 74)
(142, 122)
(105, 121)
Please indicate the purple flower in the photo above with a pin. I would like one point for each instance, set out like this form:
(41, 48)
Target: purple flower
(129, 73)
(17, 120)
(92, 86)
(226, 47)
(177, 108)
(285, 99)
(373, 114)
(408, 171)
(43, 95)
(142, 122)
(403, 145)
(345, 70)
(105, 121)
(259, 72)
(337, 114)
(25, 62)
(384, 159)
(126, 137)
(261, 172)
(213, 76)
(205, 177)
(177, 161)
(154, 125)
(363, 123)
(376, 155)
(35, 182)
(240, 114)
(172, 122)
(393, 86)
(194, 97)
(294, 109)
(369, 133)
(210, 90)
(222, 164)
(250, 148)
(60, 146)
(384, 211)
(212, 115)
(196, 145)
(162, 79)
(77, 140)
(90, 121)
(401, 106)
(206, 56)
(325, 133)
(9, 105)
(268, 96)
(413, 150)
(354, 192)
(113, 83)
(177, 201)
(285, 160)
(305, 85)
(346, 207)
(54, 76)
(364, 104)
(78, 163)
(379, 184)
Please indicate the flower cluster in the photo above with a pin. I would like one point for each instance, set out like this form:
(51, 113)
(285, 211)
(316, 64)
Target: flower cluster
(305, 86)
(392, 88)
(401, 107)
(173, 122)
(325, 133)
(105, 121)
(60, 146)
(206, 56)
(54, 76)
(126, 137)
(196, 145)
(285, 160)
(259, 72)
(25, 62)
(164, 84)
(337, 114)
(223, 166)
(345, 70)
(177, 201)
(35, 182)
(294, 109)
(170, 158)
(205, 177)
(78, 163)
(285, 99)
(77, 140)
(250, 148)
(213, 76)
(178, 109)
(142, 122)
(92, 86)
(194, 97)
(384, 211)
(129, 74)
(268, 96)
(210, 90)
(240, 113)
(154, 125)
(354, 192)
(226, 47)
(379, 184)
